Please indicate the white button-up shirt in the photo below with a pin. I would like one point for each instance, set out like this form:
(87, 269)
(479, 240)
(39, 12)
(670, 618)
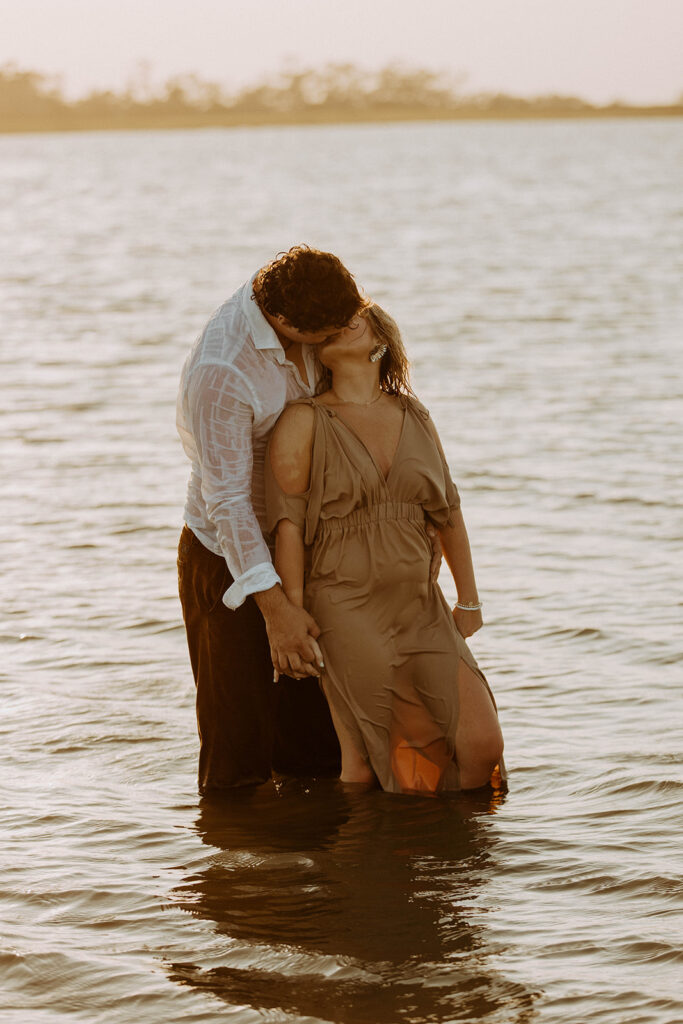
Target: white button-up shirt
(234, 385)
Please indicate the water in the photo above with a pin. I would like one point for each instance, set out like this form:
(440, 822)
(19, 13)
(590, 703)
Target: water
(535, 269)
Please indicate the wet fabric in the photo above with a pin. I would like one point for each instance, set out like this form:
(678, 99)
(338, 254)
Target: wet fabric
(389, 640)
(246, 724)
(235, 383)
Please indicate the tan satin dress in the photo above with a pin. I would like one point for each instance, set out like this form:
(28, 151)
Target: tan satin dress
(389, 641)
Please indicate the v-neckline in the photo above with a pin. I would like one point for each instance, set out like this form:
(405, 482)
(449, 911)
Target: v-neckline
(361, 442)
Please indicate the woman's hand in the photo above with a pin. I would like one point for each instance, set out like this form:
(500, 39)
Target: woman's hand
(295, 668)
(292, 635)
(467, 622)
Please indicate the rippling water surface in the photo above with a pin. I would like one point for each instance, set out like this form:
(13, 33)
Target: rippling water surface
(536, 271)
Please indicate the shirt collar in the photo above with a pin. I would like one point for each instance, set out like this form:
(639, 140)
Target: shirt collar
(262, 334)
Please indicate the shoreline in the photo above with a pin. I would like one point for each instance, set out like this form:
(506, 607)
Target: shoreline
(185, 121)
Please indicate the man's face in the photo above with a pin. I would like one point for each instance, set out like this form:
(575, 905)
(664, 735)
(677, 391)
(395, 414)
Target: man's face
(285, 330)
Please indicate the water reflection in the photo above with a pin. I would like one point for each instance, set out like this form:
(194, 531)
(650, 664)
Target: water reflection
(349, 906)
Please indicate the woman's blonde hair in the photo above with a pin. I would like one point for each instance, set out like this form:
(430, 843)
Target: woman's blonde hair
(394, 375)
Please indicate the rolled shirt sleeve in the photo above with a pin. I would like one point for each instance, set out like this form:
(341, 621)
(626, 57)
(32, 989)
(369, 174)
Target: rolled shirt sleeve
(221, 422)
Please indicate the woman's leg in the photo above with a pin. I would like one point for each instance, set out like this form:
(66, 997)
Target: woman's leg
(354, 767)
(478, 737)
(478, 740)
(419, 751)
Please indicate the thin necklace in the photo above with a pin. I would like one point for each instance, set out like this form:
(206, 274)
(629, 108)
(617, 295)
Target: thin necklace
(364, 404)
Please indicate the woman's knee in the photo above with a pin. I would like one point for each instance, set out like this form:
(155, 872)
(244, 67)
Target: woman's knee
(478, 761)
(477, 771)
(488, 752)
(492, 746)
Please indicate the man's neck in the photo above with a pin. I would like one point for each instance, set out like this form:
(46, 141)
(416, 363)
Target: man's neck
(295, 354)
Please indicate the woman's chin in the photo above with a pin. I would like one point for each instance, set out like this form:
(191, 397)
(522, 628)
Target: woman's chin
(332, 359)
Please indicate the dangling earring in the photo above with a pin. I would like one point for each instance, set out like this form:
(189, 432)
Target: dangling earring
(377, 353)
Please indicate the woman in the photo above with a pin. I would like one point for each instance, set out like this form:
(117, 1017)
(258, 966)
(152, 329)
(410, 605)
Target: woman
(354, 476)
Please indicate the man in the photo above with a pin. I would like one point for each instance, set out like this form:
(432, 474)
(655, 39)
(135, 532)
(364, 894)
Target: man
(254, 355)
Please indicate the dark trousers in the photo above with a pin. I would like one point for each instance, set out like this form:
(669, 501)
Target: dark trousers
(247, 724)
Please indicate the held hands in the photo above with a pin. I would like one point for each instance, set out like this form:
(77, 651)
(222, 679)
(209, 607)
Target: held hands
(297, 667)
(467, 622)
(292, 634)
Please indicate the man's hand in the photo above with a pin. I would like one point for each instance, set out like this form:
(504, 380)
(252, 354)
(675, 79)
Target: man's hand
(437, 552)
(292, 634)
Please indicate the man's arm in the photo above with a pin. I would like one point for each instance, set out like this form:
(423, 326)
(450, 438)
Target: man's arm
(221, 423)
(222, 427)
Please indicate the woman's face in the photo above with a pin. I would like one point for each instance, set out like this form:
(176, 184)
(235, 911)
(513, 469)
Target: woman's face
(354, 342)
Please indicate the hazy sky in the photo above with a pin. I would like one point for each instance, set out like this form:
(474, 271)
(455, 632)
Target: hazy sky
(599, 49)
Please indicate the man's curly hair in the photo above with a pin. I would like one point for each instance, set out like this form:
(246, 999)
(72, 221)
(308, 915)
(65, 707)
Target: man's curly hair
(310, 289)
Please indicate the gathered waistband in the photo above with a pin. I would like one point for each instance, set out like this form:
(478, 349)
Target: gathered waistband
(385, 510)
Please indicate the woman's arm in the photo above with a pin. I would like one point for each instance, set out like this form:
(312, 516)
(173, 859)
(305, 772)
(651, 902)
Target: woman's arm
(456, 550)
(290, 460)
(289, 560)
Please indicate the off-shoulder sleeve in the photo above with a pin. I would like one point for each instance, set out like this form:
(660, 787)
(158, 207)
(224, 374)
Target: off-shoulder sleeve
(451, 494)
(452, 498)
(444, 499)
(301, 509)
(283, 506)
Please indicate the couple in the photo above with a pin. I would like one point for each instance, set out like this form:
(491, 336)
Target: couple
(297, 416)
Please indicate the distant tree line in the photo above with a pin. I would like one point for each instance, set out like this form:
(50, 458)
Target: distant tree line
(30, 101)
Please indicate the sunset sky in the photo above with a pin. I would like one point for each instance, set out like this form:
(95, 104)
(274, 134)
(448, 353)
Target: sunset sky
(599, 49)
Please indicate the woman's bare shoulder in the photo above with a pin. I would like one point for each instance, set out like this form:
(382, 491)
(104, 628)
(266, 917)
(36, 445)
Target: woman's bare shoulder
(290, 446)
(296, 419)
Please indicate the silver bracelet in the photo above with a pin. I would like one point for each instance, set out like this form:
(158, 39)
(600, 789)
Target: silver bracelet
(468, 607)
